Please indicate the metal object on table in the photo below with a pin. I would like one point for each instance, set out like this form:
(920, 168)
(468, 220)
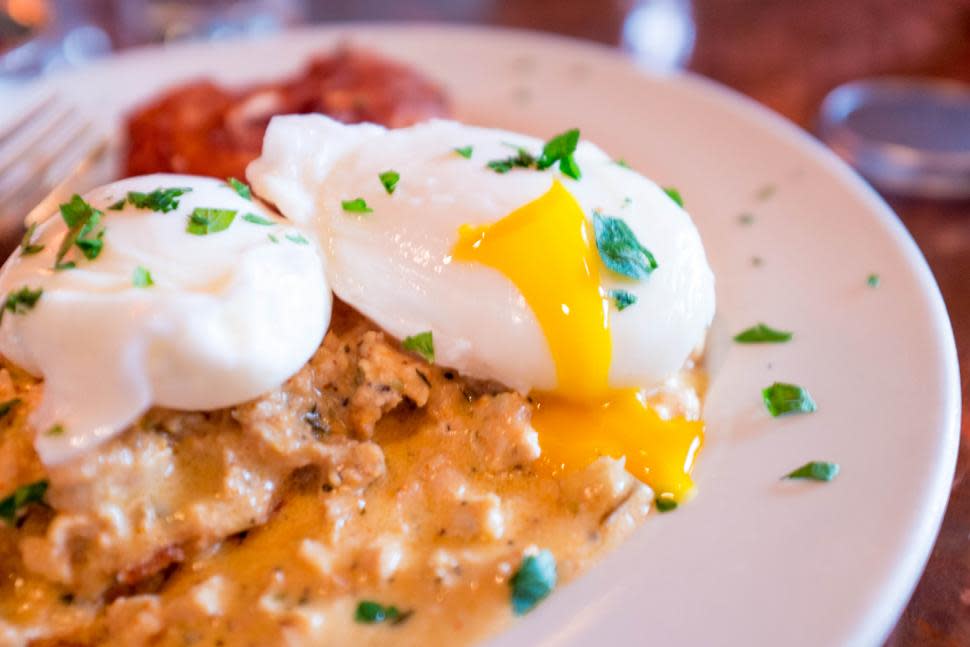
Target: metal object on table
(42, 155)
(908, 136)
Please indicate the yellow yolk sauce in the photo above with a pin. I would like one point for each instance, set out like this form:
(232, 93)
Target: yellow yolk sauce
(583, 418)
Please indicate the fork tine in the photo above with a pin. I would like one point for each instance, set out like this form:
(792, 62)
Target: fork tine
(32, 169)
(46, 206)
(33, 135)
(14, 127)
(11, 224)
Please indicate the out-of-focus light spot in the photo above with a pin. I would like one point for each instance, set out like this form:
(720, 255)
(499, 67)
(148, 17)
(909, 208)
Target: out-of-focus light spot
(660, 33)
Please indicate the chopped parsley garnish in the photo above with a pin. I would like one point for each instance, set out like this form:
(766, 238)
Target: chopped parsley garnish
(142, 278)
(521, 159)
(872, 280)
(665, 503)
(27, 247)
(560, 149)
(762, 334)
(55, 430)
(257, 220)
(240, 187)
(815, 471)
(70, 265)
(209, 221)
(389, 179)
(464, 151)
(746, 218)
(674, 195)
(81, 219)
(422, 344)
(781, 399)
(569, 167)
(8, 406)
(622, 299)
(117, 206)
(23, 496)
(620, 249)
(621, 163)
(299, 239)
(357, 205)
(273, 238)
(20, 301)
(533, 582)
(160, 199)
(370, 612)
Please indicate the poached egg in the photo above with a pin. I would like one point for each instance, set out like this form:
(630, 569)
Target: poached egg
(503, 264)
(198, 297)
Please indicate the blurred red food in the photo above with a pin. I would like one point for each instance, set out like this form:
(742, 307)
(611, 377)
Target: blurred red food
(202, 128)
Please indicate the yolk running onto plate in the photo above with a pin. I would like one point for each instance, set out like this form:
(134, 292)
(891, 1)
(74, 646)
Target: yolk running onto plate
(546, 249)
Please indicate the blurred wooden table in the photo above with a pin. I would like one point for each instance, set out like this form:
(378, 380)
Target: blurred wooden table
(788, 54)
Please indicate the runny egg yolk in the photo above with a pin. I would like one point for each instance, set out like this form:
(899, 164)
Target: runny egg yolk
(546, 249)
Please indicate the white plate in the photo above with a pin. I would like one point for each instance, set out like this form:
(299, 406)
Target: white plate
(752, 560)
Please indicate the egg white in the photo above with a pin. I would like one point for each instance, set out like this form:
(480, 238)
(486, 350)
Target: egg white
(394, 264)
(231, 314)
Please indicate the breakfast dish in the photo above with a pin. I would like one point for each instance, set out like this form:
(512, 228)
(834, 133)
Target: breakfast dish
(493, 406)
(421, 451)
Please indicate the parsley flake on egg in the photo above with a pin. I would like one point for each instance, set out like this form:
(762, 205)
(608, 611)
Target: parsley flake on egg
(357, 205)
(464, 151)
(674, 195)
(533, 582)
(619, 248)
(762, 334)
(257, 220)
(560, 149)
(81, 219)
(781, 399)
(872, 280)
(142, 278)
(209, 221)
(20, 301)
(622, 299)
(422, 344)
(389, 179)
(27, 246)
(521, 159)
(240, 187)
(163, 200)
(299, 239)
(23, 496)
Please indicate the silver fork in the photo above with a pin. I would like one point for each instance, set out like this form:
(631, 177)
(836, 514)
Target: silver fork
(43, 154)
